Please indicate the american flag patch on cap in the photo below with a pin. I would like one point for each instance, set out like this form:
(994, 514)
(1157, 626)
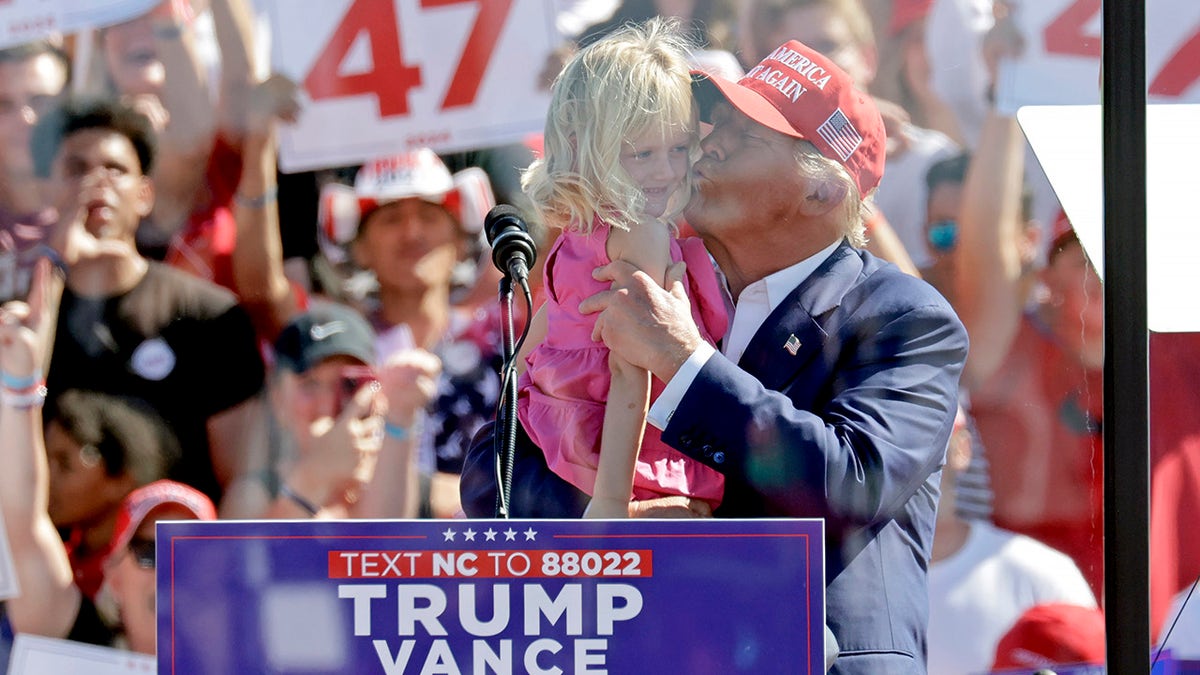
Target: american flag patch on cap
(840, 134)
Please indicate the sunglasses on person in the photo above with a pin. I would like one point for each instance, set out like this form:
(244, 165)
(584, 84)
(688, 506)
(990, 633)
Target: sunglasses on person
(142, 551)
(942, 235)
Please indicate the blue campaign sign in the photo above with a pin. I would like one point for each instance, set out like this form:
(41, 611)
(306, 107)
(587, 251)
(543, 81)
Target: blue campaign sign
(491, 596)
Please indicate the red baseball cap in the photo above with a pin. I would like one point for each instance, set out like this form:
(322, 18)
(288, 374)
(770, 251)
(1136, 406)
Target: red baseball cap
(798, 92)
(1053, 634)
(139, 503)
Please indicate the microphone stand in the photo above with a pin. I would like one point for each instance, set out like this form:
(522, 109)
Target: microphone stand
(505, 438)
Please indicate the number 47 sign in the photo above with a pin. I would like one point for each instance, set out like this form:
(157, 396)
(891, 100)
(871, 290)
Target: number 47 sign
(1061, 61)
(385, 76)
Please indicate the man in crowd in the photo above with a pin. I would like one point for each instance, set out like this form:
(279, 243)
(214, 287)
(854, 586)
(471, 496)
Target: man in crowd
(835, 390)
(32, 76)
(130, 326)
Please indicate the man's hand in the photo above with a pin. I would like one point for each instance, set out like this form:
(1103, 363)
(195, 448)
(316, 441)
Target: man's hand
(649, 326)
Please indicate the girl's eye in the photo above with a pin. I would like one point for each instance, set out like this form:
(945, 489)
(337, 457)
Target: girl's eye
(644, 154)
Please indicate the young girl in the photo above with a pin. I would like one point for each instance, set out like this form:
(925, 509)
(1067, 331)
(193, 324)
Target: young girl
(619, 140)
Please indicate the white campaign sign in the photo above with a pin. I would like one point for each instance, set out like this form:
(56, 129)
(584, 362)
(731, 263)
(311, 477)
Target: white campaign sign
(9, 588)
(28, 20)
(385, 76)
(1067, 141)
(1061, 61)
(33, 655)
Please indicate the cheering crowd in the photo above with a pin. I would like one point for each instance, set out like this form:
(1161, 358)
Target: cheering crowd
(825, 269)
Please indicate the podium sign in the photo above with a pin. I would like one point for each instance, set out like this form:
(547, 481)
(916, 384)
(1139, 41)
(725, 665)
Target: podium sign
(491, 596)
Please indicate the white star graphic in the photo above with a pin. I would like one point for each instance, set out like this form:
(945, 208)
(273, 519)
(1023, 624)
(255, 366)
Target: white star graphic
(510, 535)
(448, 534)
(469, 535)
(530, 534)
(490, 534)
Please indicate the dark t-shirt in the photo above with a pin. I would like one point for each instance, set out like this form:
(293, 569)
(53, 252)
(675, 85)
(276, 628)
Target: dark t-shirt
(181, 344)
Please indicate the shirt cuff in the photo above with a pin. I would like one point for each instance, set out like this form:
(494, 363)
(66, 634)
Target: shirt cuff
(664, 406)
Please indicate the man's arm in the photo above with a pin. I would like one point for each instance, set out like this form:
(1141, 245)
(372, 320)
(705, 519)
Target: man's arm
(886, 399)
(855, 457)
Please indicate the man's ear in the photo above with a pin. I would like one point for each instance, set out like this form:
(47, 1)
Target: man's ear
(145, 197)
(823, 195)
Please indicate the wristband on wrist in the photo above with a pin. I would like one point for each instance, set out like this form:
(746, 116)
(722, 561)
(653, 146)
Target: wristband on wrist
(24, 400)
(20, 384)
(257, 202)
(289, 493)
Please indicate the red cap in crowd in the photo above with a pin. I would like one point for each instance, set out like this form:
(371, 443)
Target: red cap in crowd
(139, 503)
(798, 92)
(1053, 634)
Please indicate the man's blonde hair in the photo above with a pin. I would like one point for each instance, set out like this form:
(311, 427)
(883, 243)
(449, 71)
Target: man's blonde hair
(627, 84)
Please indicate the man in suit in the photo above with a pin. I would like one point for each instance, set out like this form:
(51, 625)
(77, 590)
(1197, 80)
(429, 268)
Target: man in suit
(835, 390)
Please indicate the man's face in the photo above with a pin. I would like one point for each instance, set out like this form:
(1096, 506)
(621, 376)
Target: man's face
(28, 89)
(97, 174)
(310, 402)
(941, 219)
(746, 179)
(410, 245)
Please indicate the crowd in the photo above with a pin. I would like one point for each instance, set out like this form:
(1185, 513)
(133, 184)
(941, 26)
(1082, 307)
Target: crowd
(189, 333)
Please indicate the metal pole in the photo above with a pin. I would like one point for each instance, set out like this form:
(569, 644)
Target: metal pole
(1126, 393)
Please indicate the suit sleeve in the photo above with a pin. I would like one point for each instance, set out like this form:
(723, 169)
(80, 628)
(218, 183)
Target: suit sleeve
(852, 437)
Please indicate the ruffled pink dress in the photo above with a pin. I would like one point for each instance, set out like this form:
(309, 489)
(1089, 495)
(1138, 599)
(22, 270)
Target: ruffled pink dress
(562, 393)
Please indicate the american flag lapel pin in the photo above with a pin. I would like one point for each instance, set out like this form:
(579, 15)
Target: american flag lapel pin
(792, 345)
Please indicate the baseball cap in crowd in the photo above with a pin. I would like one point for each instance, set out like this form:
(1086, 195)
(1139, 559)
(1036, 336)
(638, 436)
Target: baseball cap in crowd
(139, 503)
(466, 195)
(798, 92)
(1053, 634)
(326, 329)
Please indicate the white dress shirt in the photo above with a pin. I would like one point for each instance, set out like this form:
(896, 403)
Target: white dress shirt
(750, 310)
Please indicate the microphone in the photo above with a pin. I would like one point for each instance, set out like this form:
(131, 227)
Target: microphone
(513, 250)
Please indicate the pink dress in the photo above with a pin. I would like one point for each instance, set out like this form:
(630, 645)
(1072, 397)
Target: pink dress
(562, 394)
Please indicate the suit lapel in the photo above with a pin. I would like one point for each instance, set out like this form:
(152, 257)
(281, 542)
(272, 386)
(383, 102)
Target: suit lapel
(793, 335)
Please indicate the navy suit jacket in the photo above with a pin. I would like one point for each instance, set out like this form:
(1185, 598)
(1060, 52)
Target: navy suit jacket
(851, 428)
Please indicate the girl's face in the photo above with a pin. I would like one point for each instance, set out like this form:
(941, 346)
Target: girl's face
(658, 165)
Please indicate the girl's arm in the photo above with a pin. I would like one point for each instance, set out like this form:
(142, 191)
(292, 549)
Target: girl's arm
(646, 246)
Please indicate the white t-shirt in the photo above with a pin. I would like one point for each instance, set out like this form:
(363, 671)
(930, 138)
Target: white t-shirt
(977, 594)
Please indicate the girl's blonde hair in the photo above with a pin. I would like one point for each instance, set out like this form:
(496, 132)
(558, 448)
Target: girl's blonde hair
(629, 83)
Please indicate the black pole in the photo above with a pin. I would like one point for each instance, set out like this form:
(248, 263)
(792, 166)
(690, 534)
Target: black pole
(1126, 388)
